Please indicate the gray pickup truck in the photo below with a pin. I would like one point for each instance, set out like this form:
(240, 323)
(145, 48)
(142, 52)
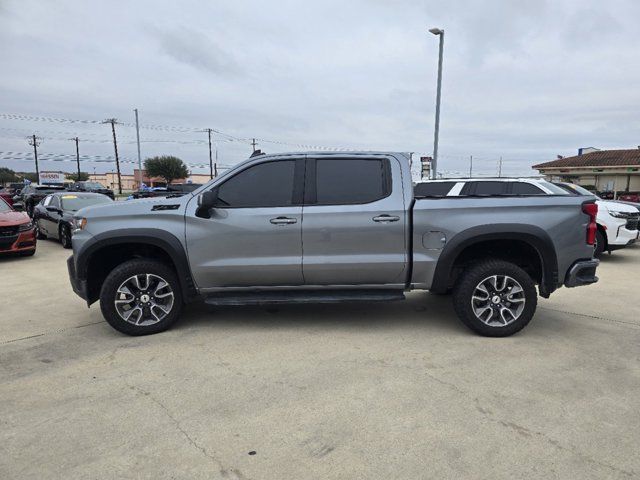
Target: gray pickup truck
(329, 227)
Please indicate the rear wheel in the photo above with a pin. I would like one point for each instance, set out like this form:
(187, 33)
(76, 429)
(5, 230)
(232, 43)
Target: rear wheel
(495, 298)
(141, 297)
(598, 247)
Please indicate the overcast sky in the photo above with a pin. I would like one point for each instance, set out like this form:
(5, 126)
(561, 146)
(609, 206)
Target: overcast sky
(524, 80)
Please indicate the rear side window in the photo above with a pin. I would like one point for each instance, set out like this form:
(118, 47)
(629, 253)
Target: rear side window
(523, 188)
(484, 188)
(264, 185)
(433, 189)
(350, 181)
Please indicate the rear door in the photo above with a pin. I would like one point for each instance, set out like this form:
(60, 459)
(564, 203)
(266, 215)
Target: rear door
(353, 231)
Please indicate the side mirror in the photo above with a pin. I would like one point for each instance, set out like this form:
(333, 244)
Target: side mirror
(208, 199)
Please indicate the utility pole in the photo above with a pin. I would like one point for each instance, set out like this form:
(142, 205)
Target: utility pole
(77, 140)
(438, 32)
(113, 122)
(500, 168)
(470, 166)
(253, 144)
(35, 141)
(213, 167)
(138, 142)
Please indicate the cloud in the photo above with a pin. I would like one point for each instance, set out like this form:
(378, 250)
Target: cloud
(197, 50)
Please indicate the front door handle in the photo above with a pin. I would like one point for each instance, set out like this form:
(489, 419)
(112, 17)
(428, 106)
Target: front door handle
(386, 218)
(283, 220)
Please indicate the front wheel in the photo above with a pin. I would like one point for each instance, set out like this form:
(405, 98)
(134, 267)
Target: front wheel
(495, 298)
(598, 248)
(65, 236)
(141, 297)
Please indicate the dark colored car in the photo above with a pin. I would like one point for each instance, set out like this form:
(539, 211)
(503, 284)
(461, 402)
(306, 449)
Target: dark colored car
(53, 216)
(92, 187)
(32, 194)
(171, 190)
(17, 232)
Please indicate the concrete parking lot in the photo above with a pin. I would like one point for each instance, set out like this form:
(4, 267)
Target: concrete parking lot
(386, 391)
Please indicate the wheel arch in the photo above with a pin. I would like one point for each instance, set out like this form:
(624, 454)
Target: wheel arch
(100, 255)
(519, 243)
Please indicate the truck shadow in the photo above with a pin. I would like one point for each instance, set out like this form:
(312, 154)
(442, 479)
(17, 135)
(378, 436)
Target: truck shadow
(419, 310)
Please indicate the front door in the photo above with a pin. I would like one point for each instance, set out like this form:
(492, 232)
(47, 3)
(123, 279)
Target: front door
(253, 237)
(354, 230)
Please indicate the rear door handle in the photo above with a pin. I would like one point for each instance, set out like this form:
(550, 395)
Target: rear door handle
(386, 218)
(283, 220)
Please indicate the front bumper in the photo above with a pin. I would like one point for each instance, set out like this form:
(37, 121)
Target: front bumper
(78, 285)
(582, 272)
(19, 242)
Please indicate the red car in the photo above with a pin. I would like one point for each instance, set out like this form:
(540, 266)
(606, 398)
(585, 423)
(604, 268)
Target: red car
(630, 197)
(7, 195)
(17, 232)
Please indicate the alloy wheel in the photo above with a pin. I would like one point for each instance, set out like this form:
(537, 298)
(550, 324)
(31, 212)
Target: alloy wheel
(498, 300)
(144, 299)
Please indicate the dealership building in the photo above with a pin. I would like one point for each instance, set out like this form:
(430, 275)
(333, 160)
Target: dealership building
(604, 170)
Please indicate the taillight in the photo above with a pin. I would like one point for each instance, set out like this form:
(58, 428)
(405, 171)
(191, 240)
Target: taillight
(591, 209)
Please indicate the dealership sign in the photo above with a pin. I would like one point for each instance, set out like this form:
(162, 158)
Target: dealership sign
(48, 178)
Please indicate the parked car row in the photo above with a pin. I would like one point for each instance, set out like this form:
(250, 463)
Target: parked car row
(617, 221)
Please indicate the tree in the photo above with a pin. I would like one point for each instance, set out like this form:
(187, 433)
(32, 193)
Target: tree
(74, 177)
(7, 176)
(167, 167)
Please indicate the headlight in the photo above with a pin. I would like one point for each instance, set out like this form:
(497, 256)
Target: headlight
(25, 227)
(79, 223)
(619, 214)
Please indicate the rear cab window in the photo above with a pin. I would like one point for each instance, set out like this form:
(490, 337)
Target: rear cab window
(347, 181)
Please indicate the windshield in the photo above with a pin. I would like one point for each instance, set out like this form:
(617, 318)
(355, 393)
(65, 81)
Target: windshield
(555, 188)
(76, 202)
(4, 207)
(578, 189)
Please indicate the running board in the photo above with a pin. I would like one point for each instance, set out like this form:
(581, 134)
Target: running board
(307, 296)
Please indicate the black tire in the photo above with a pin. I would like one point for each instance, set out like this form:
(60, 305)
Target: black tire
(464, 303)
(120, 274)
(65, 236)
(39, 234)
(601, 243)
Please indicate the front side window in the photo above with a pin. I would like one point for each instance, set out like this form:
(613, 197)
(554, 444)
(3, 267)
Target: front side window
(264, 185)
(46, 200)
(351, 181)
(54, 202)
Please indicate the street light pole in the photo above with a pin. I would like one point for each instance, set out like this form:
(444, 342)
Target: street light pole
(434, 164)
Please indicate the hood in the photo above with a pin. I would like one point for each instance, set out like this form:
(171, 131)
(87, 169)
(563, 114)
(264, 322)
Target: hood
(132, 207)
(613, 206)
(9, 219)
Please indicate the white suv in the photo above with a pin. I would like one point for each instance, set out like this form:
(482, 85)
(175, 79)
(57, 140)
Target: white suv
(617, 222)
